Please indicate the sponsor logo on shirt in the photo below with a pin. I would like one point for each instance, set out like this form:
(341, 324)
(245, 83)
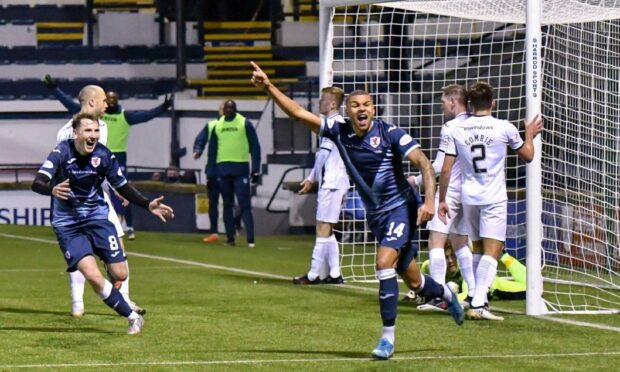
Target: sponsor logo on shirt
(48, 164)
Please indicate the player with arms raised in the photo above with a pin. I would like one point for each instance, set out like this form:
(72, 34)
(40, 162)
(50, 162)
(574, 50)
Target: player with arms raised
(479, 145)
(372, 151)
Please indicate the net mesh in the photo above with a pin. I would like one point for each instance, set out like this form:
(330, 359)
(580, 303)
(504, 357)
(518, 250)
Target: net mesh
(403, 53)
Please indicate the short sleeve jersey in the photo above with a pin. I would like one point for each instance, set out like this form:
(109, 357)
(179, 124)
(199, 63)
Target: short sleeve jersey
(335, 173)
(479, 143)
(374, 161)
(445, 140)
(85, 174)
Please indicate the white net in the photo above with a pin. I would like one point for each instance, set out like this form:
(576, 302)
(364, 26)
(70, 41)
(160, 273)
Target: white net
(404, 52)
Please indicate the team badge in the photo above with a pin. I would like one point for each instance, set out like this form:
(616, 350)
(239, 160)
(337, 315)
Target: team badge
(95, 161)
(375, 141)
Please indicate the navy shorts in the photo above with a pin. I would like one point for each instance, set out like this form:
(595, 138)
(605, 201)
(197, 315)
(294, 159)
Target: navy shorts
(396, 229)
(87, 238)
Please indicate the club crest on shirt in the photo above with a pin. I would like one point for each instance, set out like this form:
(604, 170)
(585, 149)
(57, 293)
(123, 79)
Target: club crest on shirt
(95, 161)
(375, 141)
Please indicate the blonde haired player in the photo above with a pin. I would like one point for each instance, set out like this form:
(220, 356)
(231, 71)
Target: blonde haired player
(329, 170)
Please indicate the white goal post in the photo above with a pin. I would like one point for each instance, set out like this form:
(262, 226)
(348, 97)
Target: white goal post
(560, 58)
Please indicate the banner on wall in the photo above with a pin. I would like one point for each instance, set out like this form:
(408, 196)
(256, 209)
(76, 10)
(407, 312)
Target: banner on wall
(24, 207)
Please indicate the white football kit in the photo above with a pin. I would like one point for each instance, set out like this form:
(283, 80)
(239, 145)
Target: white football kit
(454, 223)
(65, 133)
(479, 143)
(332, 176)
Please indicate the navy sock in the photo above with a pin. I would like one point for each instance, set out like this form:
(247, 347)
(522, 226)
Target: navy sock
(388, 300)
(118, 303)
(431, 289)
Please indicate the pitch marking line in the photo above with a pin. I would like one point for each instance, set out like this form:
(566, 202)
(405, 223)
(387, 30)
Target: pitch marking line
(301, 361)
(275, 276)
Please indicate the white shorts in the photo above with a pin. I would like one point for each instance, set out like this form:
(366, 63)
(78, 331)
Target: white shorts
(486, 221)
(112, 217)
(329, 202)
(455, 223)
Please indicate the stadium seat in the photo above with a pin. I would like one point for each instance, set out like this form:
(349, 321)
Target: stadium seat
(80, 54)
(24, 55)
(30, 89)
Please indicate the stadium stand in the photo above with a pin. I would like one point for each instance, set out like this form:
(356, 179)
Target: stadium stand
(228, 48)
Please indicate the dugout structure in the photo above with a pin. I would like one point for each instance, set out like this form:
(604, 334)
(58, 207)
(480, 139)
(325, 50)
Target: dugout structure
(560, 58)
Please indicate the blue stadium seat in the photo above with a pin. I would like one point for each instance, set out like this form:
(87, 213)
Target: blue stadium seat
(163, 53)
(11, 12)
(30, 89)
(51, 54)
(112, 84)
(109, 54)
(24, 55)
(136, 54)
(164, 86)
(80, 54)
(5, 55)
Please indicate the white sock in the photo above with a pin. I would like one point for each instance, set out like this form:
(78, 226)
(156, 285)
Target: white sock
(487, 269)
(332, 254)
(388, 332)
(437, 258)
(447, 293)
(124, 288)
(475, 260)
(76, 282)
(106, 291)
(318, 257)
(465, 260)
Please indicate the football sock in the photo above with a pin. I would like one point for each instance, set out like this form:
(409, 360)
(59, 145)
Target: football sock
(475, 260)
(516, 268)
(124, 288)
(113, 298)
(429, 288)
(333, 256)
(76, 282)
(465, 260)
(388, 332)
(388, 296)
(487, 269)
(437, 258)
(318, 257)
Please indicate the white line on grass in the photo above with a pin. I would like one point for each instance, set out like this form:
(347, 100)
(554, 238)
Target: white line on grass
(275, 276)
(301, 361)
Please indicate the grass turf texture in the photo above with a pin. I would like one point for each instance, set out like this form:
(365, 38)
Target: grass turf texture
(242, 312)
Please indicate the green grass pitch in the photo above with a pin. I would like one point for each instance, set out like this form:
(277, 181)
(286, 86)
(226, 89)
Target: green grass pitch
(212, 307)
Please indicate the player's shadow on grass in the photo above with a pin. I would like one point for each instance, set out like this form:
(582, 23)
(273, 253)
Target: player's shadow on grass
(58, 330)
(336, 353)
(341, 354)
(14, 310)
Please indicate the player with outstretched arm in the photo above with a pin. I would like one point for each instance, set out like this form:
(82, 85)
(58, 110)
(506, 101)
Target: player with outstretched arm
(372, 151)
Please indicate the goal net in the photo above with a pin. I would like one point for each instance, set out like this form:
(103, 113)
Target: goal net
(404, 52)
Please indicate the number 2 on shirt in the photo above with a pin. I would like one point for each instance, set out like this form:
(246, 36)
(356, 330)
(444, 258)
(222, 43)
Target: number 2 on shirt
(479, 155)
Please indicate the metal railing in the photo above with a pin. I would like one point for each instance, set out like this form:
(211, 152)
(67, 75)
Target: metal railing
(279, 186)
